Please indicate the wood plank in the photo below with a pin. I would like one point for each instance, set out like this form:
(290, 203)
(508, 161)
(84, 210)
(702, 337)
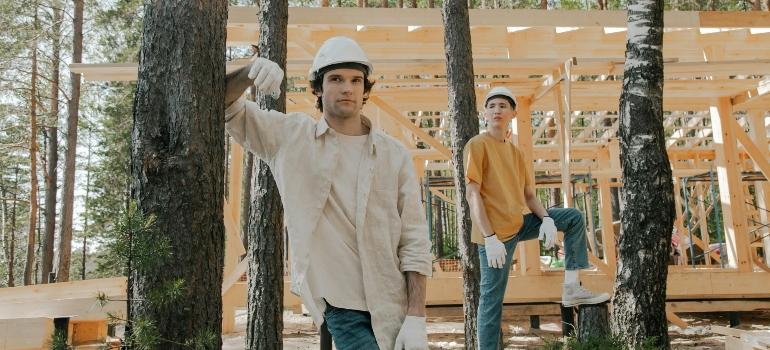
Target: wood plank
(522, 132)
(718, 305)
(730, 187)
(398, 117)
(759, 130)
(605, 215)
(673, 318)
(759, 156)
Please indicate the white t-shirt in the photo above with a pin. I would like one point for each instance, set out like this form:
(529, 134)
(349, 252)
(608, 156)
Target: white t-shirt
(334, 273)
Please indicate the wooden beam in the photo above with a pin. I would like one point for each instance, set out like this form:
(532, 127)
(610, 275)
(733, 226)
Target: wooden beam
(673, 318)
(759, 130)
(562, 116)
(398, 117)
(605, 215)
(522, 131)
(730, 187)
(759, 156)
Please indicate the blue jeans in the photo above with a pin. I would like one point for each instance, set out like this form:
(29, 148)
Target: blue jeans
(493, 280)
(350, 329)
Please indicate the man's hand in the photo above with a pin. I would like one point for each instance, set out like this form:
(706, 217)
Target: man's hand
(548, 232)
(413, 334)
(495, 252)
(267, 76)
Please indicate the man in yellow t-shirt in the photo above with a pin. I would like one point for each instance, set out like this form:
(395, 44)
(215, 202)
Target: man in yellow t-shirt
(505, 211)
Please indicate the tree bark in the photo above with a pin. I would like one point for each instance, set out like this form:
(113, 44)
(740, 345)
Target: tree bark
(464, 125)
(73, 111)
(52, 159)
(648, 215)
(265, 252)
(11, 244)
(414, 3)
(85, 214)
(593, 322)
(756, 5)
(29, 267)
(248, 174)
(178, 164)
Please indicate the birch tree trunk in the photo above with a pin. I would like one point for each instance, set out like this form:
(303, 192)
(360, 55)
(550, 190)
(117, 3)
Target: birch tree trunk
(647, 217)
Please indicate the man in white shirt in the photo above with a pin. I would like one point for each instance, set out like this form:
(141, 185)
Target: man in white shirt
(359, 251)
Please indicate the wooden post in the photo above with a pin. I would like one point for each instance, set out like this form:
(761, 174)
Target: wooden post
(563, 118)
(605, 212)
(567, 321)
(593, 322)
(522, 133)
(730, 188)
(61, 325)
(703, 221)
(759, 134)
(679, 224)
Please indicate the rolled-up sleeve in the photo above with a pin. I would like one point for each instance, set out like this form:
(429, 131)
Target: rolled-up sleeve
(258, 131)
(414, 246)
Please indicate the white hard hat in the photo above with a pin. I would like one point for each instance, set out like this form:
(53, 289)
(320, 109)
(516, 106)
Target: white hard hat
(339, 49)
(500, 91)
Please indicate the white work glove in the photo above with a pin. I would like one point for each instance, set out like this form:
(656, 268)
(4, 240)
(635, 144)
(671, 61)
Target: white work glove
(548, 232)
(495, 251)
(267, 76)
(413, 334)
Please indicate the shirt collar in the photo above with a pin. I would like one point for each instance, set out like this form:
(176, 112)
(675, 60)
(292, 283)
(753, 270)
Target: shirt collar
(322, 127)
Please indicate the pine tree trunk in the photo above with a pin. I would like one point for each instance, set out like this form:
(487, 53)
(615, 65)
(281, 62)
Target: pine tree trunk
(85, 214)
(73, 110)
(178, 163)
(52, 159)
(757, 5)
(3, 221)
(265, 322)
(11, 244)
(248, 174)
(29, 267)
(464, 125)
(414, 3)
(647, 217)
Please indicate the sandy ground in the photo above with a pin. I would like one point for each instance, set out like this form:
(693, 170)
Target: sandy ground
(447, 333)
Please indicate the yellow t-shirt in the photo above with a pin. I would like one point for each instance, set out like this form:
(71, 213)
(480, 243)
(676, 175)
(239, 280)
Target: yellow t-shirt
(502, 171)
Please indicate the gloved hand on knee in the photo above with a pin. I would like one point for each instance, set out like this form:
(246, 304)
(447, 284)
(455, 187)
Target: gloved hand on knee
(548, 232)
(495, 251)
(413, 334)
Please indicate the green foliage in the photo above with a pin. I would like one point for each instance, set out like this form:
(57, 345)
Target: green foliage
(135, 242)
(135, 239)
(59, 341)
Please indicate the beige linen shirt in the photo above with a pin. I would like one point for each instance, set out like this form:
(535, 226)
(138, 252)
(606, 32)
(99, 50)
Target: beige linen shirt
(391, 233)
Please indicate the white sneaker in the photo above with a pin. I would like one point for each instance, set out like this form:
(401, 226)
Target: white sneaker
(574, 294)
